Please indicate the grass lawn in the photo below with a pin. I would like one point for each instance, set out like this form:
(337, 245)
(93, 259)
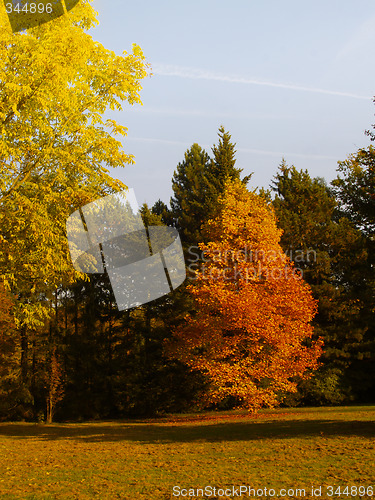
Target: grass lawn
(143, 460)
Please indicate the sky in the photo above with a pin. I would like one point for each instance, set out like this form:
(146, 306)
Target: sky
(291, 79)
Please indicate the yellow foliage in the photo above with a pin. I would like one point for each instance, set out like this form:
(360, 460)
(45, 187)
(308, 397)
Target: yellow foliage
(56, 82)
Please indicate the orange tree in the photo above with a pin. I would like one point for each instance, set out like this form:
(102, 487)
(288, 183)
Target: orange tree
(251, 332)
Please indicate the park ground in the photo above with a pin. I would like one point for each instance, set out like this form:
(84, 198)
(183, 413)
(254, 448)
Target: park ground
(291, 449)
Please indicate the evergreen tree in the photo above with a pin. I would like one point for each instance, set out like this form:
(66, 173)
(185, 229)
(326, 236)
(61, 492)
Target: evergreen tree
(190, 203)
(197, 184)
(161, 209)
(222, 167)
(355, 189)
(330, 252)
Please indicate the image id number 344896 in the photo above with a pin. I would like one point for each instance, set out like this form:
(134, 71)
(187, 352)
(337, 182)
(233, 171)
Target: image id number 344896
(29, 8)
(350, 491)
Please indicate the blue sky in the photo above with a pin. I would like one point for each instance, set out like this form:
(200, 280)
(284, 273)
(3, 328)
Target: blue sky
(288, 79)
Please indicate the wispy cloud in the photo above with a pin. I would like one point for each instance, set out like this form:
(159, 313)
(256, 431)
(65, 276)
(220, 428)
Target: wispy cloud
(170, 111)
(209, 113)
(154, 140)
(199, 74)
(207, 147)
(286, 154)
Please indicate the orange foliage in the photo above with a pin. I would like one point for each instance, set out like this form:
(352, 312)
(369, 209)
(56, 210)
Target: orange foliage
(251, 334)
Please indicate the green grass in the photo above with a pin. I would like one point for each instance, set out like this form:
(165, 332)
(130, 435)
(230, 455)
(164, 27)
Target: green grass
(143, 460)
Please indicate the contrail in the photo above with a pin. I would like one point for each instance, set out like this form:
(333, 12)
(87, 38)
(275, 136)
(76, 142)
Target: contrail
(243, 150)
(286, 154)
(199, 74)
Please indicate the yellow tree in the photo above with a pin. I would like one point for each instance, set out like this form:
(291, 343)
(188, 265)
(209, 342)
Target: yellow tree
(56, 147)
(56, 83)
(251, 332)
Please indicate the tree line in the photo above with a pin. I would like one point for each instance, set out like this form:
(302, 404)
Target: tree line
(197, 347)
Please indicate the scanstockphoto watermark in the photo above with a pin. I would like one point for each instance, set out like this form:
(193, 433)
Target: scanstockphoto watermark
(247, 263)
(238, 491)
(314, 491)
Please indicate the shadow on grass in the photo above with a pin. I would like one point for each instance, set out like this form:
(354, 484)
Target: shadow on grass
(154, 433)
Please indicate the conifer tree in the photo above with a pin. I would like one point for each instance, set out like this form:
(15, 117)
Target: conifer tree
(191, 197)
(223, 167)
(197, 184)
(330, 253)
(355, 190)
